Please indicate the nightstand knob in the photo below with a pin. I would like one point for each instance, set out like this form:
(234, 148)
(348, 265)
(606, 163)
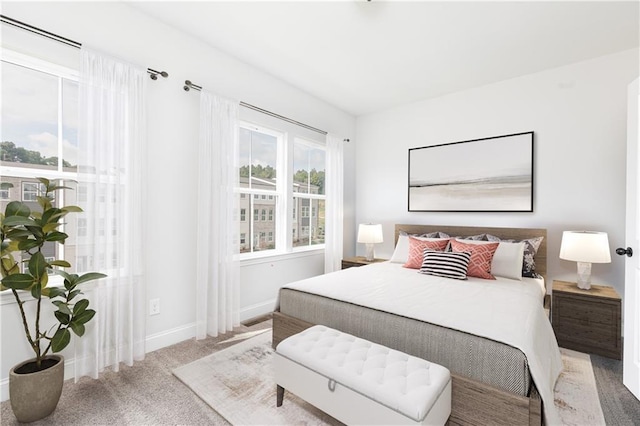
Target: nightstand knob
(628, 251)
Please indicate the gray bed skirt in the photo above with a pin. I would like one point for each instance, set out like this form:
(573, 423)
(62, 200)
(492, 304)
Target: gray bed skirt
(467, 355)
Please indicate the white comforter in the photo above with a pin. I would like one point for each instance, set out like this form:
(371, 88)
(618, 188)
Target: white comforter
(504, 310)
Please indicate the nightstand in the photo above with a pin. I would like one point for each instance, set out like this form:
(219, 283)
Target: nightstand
(587, 320)
(350, 262)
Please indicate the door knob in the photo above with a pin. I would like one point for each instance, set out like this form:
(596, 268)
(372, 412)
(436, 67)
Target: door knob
(621, 251)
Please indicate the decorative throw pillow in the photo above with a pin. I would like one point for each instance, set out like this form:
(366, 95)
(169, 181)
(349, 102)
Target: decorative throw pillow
(436, 234)
(531, 246)
(446, 264)
(417, 247)
(481, 257)
(479, 237)
(401, 252)
(507, 260)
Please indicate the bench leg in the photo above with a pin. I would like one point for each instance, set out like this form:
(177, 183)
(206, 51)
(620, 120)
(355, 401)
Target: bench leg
(279, 395)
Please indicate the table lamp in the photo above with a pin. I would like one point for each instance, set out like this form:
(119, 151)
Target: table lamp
(369, 234)
(585, 247)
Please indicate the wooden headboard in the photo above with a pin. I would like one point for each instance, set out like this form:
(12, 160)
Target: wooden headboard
(502, 233)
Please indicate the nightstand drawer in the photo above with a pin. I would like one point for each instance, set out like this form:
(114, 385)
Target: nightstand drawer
(587, 320)
(580, 311)
(590, 333)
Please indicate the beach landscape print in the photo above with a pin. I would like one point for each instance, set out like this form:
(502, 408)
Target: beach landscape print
(491, 175)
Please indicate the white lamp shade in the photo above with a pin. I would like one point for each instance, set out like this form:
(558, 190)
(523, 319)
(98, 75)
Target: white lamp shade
(369, 234)
(585, 246)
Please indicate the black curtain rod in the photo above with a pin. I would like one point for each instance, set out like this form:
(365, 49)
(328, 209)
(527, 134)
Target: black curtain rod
(188, 85)
(153, 74)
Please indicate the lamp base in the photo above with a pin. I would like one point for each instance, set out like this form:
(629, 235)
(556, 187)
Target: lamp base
(584, 275)
(369, 257)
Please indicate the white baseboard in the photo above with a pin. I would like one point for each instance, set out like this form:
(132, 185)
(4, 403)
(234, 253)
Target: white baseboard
(257, 310)
(160, 340)
(153, 342)
(170, 337)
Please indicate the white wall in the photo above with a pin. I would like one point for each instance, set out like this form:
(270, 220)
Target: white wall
(124, 32)
(578, 114)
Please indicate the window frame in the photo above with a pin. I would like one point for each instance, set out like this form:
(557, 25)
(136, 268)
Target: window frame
(61, 73)
(284, 209)
(258, 214)
(308, 196)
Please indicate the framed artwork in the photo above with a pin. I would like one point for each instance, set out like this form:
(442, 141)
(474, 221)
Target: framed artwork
(482, 175)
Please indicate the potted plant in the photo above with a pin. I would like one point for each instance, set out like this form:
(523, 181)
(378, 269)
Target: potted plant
(36, 384)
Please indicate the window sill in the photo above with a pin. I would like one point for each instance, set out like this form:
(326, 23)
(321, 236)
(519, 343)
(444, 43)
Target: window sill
(276, 257)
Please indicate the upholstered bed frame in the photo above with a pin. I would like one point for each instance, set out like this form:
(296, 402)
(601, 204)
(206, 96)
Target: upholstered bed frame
(473, 402)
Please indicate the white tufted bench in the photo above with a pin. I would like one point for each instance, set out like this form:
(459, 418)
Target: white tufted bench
(359, 382)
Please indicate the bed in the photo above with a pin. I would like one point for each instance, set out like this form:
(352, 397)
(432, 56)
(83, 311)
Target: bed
(492, 381)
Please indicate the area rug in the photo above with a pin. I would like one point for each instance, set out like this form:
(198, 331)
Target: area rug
(576, 395)
(238, 383)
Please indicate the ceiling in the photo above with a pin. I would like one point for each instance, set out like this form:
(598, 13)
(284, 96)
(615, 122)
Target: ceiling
(364, 57)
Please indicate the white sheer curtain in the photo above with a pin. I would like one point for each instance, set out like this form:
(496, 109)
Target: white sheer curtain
(217, 264)
(111, 188)
(334, 207)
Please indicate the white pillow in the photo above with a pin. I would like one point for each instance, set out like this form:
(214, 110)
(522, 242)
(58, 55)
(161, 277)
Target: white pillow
(507, 260)
(401, 252)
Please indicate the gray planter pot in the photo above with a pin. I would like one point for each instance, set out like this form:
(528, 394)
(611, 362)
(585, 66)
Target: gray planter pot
(35, 395)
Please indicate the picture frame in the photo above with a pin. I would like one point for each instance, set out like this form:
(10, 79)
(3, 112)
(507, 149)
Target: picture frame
(493, 174)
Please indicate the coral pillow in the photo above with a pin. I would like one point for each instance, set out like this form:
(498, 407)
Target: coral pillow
(417, 248)
(481, 257)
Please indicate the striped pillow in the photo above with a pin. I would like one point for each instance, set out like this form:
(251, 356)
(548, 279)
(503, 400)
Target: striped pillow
(446, 264)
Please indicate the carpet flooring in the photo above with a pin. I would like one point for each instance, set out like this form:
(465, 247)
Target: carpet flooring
(619, 406)
(149, 394)
(237, 382)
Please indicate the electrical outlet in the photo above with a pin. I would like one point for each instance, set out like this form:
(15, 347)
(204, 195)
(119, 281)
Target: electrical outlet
(154, 306)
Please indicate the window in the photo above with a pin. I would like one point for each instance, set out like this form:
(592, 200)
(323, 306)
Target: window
(285, 175)
(309, 162)
(82, 227)
(39, 137)
(259, 151)
(32, 190)
(243, 212)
